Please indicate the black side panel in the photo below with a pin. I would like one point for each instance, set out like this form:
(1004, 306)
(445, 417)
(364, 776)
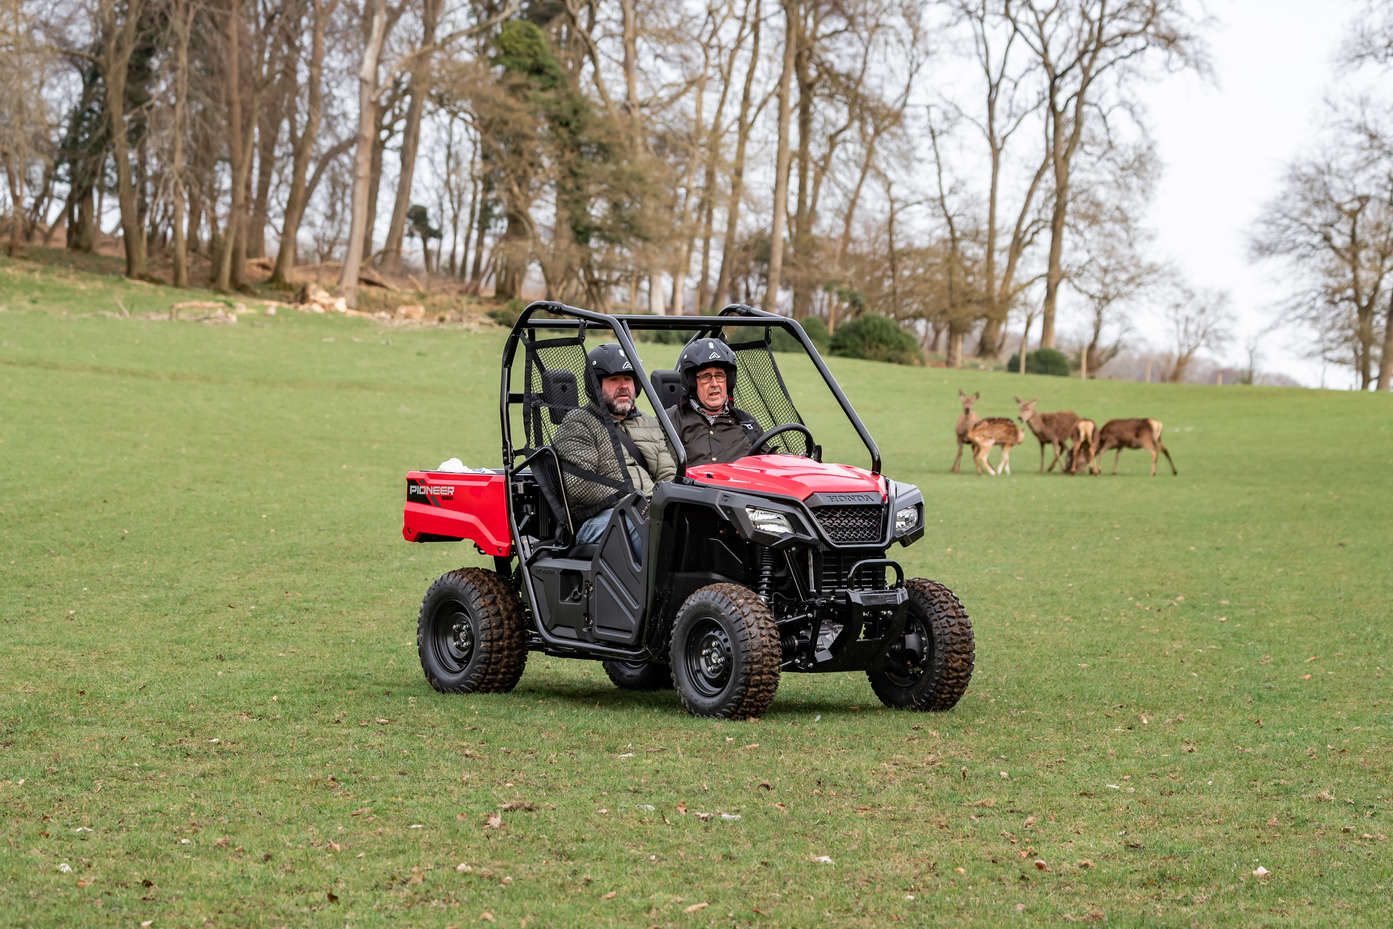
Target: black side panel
(617, 600)
(561, 584)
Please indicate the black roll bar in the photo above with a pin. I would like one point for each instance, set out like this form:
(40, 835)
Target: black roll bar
(734, 314)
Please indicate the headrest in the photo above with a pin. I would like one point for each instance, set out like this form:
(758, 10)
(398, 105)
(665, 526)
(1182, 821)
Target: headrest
(559, 392)
(668, 384)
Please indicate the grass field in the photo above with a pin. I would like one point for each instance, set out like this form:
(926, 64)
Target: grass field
(211, 710)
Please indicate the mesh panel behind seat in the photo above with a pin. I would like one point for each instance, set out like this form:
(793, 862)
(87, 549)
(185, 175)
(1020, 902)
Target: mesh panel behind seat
(549, 394)
(760, 391)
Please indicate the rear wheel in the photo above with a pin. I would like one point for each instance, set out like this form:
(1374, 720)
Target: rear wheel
(639, 675)
(929, 668)
(725, 653)
(469, 633)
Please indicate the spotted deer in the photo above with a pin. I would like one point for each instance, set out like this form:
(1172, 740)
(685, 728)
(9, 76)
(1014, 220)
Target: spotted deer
(1132, 433)
(966, 420)
(1050, 428)
(1081, 451)
(994, 430)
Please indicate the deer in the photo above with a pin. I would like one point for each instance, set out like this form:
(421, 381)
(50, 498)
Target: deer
(1083, 438)
(1050, 428)
(1132, 433)
(966, 420)
(994, 430)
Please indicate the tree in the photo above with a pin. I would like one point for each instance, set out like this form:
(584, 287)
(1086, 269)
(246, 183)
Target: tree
(779, 226)
(1370, 38)
(128, 34)
(1331, 228)
(303, 138)
(1199, 322)
(1089, 54)
(376, 13)
(25, 117)
(417, 90)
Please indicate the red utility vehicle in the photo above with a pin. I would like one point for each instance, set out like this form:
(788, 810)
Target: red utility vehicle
(773, 563)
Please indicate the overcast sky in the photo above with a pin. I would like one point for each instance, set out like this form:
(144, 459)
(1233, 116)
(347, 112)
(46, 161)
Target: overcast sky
(1225, 147)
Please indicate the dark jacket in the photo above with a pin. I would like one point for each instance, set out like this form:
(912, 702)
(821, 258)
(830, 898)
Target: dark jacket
(598, 469)
(713, 439)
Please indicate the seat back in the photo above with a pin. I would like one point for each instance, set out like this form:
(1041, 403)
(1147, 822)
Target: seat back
(668, 384)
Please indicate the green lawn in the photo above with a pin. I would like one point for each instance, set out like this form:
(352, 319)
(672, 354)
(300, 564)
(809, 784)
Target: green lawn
(211, 711)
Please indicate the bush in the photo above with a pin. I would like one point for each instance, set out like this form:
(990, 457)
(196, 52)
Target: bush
(875, 338)
(1041, 361)
(817, 333)
(507, 314)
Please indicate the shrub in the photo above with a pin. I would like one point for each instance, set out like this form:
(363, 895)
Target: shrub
(1041, 361)
(508, 313)
(816, 331)
(875, 338)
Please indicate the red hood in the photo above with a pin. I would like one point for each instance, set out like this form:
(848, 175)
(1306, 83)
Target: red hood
(788, 476)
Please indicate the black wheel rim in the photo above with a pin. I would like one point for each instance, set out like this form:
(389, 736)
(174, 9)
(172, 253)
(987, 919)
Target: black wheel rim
(903, 667)
(453, 638)
(709, 656)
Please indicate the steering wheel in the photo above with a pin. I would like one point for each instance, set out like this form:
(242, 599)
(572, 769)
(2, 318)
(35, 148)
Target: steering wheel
(810, 450)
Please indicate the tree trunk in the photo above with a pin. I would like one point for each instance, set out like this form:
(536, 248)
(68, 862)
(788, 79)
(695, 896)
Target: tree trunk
(232, 254)
(729, 243)
(183, 24)
(362, 161)
(781, 161)
(1054, 268)
(418, 88)
(303, 146)
(117, 44)
(802, 216)
(16, 182)
(268, 130)
(1385, 365)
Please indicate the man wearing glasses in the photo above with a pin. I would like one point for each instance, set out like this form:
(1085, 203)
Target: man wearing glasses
(711, 428)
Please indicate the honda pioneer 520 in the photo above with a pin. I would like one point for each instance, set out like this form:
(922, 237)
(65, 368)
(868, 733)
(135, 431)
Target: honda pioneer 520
(727, 576)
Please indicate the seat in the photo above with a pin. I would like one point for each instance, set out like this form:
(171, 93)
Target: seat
(668, 384)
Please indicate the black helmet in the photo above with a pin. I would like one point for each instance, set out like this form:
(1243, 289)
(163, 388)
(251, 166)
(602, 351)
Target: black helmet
(606, 361)
(703, 353)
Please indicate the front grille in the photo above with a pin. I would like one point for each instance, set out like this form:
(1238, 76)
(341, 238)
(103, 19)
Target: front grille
(851, 524)
(834, 567)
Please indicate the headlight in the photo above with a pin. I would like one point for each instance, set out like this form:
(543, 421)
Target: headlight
(768, 521)
(906, 519)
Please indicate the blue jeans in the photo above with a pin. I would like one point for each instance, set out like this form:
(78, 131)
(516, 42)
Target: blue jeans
(592, 528)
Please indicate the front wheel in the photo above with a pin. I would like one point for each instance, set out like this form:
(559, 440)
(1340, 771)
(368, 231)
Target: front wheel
(638, 675)
(928, 669)
(725, 653)
(469, 633)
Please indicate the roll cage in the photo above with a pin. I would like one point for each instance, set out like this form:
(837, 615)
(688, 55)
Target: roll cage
(562, 318)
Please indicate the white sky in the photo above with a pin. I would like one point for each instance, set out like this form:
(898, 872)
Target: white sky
(1224, 149)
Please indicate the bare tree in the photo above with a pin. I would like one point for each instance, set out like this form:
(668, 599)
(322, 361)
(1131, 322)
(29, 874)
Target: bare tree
(1331, 227)
(1199, 322)
(303, 138)
(1090, 54)
(1370, 39)
(122, 28)
(417, 89)
(376, 12)
(743, 125)
(25, 118)
(778, 228)
(1008, 105)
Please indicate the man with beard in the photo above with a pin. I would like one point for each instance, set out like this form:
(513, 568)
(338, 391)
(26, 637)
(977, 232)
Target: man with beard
(608, 449)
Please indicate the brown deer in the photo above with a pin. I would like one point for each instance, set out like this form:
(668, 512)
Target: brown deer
(994, 430)
(1132, 433)
(966, 420)
(1081, 450)
(1050, 428)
